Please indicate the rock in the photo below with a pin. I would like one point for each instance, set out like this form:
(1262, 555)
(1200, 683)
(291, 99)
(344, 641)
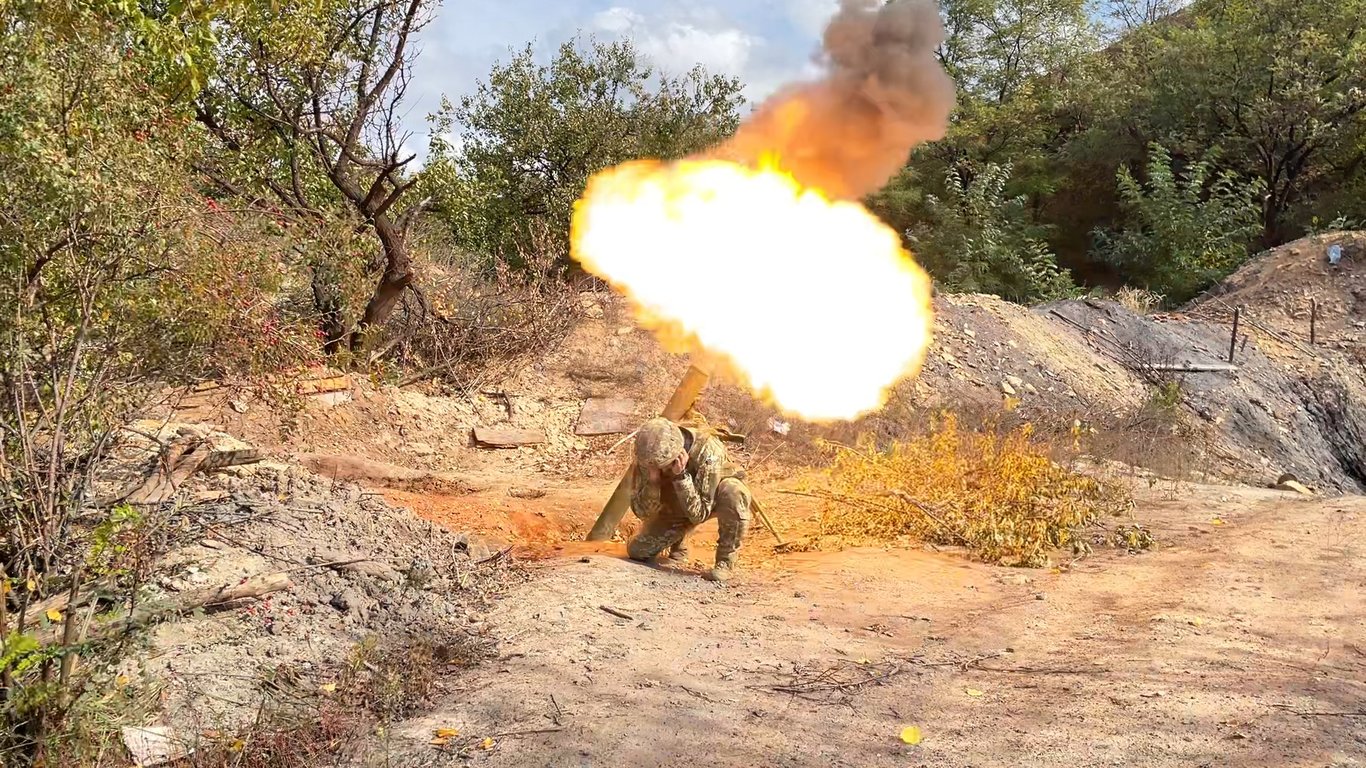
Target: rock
(475, 546)
(588, 303)
(155, 744)
(526, 493)
(1006, 388)
(1287, 482)
(421, 449)
(420, 573)
(341, 601)
(1015, 381)
(606, 416)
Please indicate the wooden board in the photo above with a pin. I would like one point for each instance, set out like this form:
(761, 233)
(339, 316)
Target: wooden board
(493, 437)
(320, 386)
(606, 416)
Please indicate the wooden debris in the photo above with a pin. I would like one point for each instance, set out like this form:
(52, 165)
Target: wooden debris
(606, 416)
(321, 386)
(177, 463)
(1194, 368)
(617, 613)
(494, 437)
(180, 604)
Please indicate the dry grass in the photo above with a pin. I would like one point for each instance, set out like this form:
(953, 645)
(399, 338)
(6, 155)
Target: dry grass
(343, 721)
(997, 493)
(1140, 301)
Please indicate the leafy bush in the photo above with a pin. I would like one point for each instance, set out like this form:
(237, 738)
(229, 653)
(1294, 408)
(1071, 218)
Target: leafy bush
(998, 494)
(532, 134)
(978, 240)
(1183, 231)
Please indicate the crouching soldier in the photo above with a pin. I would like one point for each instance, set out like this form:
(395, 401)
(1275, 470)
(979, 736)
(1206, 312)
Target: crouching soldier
(681, 479)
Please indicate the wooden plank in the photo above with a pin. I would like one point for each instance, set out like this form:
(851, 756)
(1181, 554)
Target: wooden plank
(606, 416)
(494, 437)
(320, 386)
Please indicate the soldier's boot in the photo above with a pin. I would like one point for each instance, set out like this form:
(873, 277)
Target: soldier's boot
(732, 511)
(679, 554)
(722, 571)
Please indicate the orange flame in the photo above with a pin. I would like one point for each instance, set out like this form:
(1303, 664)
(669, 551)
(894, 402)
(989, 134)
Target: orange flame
(811, 302)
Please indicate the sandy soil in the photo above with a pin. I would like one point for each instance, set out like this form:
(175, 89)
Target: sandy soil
(1242, 642)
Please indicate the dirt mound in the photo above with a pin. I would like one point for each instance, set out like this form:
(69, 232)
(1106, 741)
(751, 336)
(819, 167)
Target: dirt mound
(1279, 287)
(360, 568)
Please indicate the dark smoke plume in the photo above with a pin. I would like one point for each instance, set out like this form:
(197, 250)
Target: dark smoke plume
(884, 92)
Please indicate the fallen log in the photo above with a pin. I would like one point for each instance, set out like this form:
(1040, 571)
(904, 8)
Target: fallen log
(177, 463)
(176, 605)
(1194, 368)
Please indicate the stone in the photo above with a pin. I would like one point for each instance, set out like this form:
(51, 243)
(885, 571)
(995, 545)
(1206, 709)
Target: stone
(606, 416)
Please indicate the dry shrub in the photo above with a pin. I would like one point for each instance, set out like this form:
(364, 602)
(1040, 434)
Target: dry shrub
(470, 322)
(341, 721)
(996, 493)
(1140, 301)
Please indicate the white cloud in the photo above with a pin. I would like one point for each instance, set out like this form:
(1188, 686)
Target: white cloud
(617, 20)
(765, 43)
(810, 16)
(676, 46)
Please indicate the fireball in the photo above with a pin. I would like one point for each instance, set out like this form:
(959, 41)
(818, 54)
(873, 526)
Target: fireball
(755, 255)
(811, 302)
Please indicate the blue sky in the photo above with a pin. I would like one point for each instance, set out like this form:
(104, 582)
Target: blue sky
(764, 42)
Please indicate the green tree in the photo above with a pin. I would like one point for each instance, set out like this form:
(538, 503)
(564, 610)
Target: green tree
(1278, 85)
(515, 155)
(1182, 230)
(978, 239)
(305, 112)
(1022, 74)
(117, 278)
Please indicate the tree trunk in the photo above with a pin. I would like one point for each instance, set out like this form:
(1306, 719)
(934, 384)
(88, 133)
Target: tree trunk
(398, 275)
(331, 319)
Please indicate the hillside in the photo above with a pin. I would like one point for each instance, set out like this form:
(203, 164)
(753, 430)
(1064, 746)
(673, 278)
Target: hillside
(397, 525)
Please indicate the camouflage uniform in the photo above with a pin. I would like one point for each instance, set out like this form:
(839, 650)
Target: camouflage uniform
(709, 487)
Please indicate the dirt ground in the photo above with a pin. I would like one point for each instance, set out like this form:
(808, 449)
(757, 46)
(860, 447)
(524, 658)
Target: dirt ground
(1241, 642)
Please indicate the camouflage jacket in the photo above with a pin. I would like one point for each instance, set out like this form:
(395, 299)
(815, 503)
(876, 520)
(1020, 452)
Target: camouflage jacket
(691, 495)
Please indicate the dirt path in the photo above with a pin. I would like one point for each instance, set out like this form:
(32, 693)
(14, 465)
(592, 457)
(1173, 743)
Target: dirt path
(1242, 642)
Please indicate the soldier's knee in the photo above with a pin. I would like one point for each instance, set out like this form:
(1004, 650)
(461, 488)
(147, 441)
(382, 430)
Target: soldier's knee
(732, 497)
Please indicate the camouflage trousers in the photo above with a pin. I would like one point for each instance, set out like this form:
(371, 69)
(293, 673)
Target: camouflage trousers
(731, 510)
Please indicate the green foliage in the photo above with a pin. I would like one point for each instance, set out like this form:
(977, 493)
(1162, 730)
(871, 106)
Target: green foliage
(509, 160)
(1182, 230)
(1278, 85)
(977, 239)
(303, 120)
(1167, 396)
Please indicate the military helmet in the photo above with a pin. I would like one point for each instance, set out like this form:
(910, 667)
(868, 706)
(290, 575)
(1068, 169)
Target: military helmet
(658, 442)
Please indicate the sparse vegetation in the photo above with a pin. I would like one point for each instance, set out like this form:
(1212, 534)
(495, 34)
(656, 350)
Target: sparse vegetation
(999, 495)
(1140, 301)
